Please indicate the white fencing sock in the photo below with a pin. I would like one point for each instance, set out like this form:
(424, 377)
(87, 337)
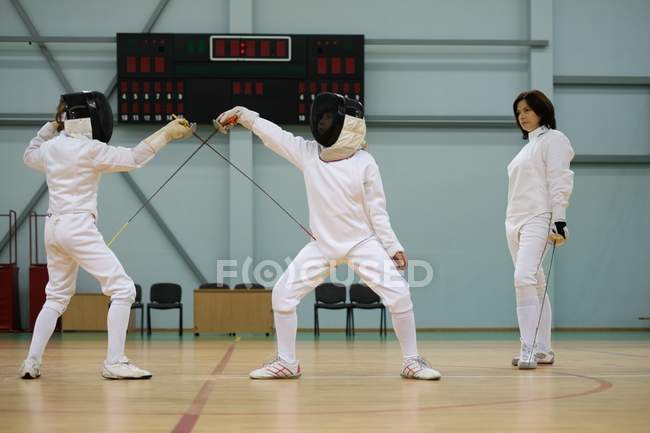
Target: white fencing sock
(286, 327)
(117, 322)
(43, 329)
(527, 313)
(544, 333)
(404, 326)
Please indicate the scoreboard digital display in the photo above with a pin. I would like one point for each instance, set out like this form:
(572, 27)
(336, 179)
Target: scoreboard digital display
(250, 48)
(198, 76)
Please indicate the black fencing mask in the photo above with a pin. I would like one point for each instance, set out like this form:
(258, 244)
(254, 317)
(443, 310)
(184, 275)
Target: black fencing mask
(328, 113)
(89, 110)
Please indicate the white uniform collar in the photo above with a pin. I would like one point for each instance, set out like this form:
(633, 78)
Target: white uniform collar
(537, 132)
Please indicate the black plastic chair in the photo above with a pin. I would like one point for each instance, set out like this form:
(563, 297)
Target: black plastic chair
(248, 286)
(137, 305)
(165, 296)
(362, 297)
(214, 286)
(331, 296)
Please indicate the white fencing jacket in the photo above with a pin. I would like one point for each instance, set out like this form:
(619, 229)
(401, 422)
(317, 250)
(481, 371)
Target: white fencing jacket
(539, 178)
(73, 167)
(346, 198)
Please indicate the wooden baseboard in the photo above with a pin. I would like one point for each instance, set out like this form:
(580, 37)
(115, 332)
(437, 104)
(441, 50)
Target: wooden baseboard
(342, 330)
(601, 329)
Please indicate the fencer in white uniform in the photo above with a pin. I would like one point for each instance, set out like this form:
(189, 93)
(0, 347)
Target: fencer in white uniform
(348, 219)
(73, 154)
(540, 184)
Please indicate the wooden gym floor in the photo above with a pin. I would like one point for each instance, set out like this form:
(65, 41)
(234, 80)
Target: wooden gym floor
(600, 383)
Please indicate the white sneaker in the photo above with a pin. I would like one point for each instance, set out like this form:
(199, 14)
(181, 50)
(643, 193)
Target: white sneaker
(124, 370)
(30, 369)
(542, 358)
(277, 369)
(418, 368)
(526, 359)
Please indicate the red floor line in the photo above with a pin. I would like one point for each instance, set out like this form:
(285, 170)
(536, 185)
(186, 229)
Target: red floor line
(632, 355)
(191, 416)
(602, 386)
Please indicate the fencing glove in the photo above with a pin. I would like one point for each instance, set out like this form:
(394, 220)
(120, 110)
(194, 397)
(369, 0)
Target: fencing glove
(559, 233)
(174, 130)
(228, 119)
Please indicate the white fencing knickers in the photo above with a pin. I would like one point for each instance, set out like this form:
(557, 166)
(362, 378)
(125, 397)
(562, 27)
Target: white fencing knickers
(528, 245)
(72, 240)
(369, 260)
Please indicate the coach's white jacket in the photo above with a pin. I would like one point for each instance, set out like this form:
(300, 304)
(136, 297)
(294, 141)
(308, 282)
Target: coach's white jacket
(539, 178)
(73, 166)
(346, 198)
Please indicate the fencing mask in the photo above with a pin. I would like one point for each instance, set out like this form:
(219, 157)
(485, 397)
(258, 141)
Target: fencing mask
(88, 114)
(338, 124)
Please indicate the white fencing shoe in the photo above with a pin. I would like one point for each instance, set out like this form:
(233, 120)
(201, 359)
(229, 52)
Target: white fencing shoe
(542, 358)
(124, 370)
(418, 368)
(278, 368)
(526, 359)
(30, 369)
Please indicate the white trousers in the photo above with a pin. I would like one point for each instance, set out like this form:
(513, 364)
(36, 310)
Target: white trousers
(528, 245)
(369, 260)
(72, 240)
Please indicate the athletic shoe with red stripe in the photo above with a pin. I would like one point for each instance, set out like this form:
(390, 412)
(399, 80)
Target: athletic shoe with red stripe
(418, 368)
(277, 369)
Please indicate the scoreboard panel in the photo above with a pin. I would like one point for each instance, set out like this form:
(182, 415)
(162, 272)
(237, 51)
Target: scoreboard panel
(198, 76)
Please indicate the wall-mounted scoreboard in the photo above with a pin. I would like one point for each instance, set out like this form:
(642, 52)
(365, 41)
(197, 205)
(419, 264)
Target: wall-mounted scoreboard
(199, 76)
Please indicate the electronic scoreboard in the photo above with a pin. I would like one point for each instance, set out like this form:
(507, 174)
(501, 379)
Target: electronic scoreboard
(198, 76)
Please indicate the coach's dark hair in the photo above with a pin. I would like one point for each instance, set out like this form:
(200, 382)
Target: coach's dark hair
(540, 104)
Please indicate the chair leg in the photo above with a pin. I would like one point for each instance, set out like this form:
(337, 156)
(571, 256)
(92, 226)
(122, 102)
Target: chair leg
(385, 323)
(353, 332)
(180, 321)
(316, 324)
(148, 320)
(349, 322)
(348, 332)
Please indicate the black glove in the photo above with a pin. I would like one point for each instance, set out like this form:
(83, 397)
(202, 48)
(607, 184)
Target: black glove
(559, 233)
(559, 228)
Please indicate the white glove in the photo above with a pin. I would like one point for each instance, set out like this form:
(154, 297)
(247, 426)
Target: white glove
(48, 131)
(177, 129)
(228, 119)
(174, 130)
